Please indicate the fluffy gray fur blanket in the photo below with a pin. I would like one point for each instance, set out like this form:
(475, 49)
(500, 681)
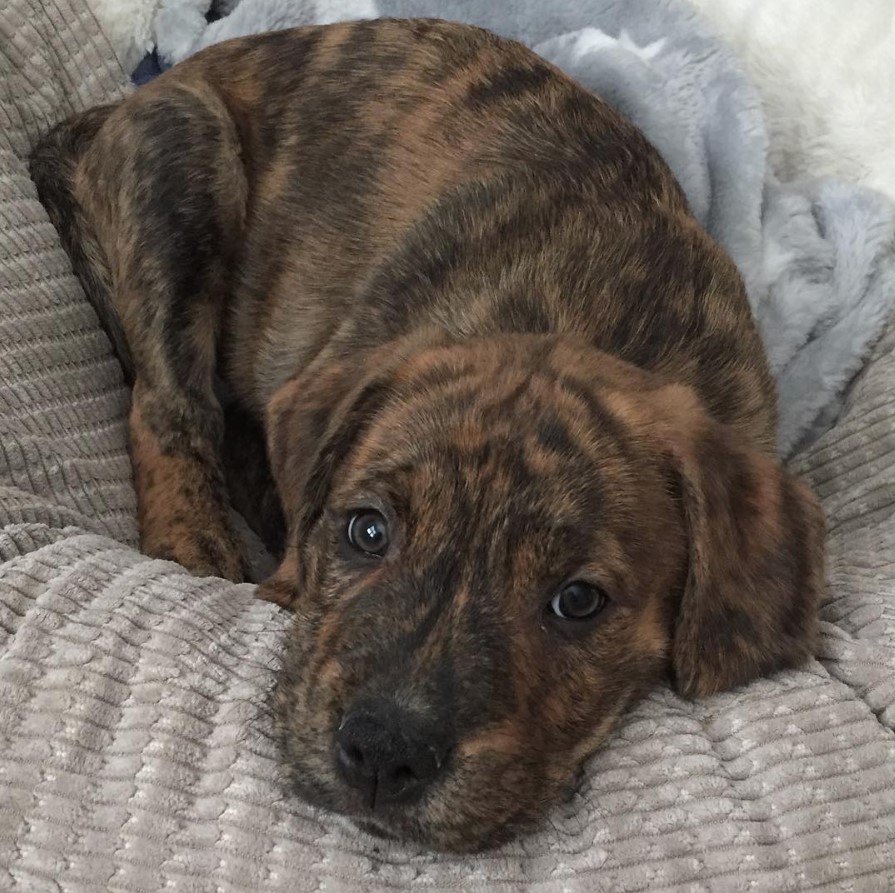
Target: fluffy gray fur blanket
(135, 752)
(817, 257)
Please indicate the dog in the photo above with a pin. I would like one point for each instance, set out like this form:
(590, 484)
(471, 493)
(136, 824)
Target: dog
(493, 396)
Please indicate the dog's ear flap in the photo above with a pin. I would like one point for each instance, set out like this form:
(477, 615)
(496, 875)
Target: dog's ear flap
(312, 422)
(314, 419)
(756, 570)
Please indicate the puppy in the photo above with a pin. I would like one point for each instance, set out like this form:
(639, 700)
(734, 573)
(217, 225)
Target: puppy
(519, 424)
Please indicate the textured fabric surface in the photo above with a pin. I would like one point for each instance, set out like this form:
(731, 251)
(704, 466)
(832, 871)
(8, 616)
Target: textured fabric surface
(135, 748)
(826, 73)
(818, 257)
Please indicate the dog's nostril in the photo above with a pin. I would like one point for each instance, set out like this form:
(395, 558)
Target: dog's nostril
(355, 755)
(350, 757)
(403, 775)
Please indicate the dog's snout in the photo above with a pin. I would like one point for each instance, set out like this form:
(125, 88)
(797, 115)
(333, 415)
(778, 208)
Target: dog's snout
(387, 753)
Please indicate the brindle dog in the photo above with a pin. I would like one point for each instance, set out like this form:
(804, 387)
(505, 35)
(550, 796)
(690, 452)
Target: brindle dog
(517, 414)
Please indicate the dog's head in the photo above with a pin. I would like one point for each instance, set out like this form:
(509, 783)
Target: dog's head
(495, 548)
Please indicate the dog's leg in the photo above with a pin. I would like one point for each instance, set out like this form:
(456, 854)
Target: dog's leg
(165, 188)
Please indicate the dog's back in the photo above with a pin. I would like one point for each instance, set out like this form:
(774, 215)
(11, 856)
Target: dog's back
(399, 171)
(405, 170)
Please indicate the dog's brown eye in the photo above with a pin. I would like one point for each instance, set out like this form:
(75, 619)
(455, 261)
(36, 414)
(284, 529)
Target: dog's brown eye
(578, 601)
(368, 532)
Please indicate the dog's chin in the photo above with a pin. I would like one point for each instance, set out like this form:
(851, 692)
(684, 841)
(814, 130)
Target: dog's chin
(435, 839)
(431, 837)
(409, 824)
(400, 826)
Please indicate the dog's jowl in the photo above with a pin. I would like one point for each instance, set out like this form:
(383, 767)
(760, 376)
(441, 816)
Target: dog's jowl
(497, 402)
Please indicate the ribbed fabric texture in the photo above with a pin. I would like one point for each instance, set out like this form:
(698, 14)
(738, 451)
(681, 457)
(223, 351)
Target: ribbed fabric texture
(135, 747)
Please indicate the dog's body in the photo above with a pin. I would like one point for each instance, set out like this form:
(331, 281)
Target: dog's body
(467, 301)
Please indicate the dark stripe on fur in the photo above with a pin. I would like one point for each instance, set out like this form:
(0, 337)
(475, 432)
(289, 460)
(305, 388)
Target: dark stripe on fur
(52, 166)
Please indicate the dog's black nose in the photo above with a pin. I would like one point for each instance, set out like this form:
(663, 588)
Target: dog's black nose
(388, 753)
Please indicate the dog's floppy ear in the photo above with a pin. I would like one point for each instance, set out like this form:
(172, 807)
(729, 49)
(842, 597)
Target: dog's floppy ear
(314, 419)
(756, 569)
(312, 422)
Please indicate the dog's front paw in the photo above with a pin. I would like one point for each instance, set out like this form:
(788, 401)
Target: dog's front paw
(211, 551)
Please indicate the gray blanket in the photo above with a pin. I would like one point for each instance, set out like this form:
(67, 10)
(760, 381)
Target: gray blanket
(817, 257)
(134, 740)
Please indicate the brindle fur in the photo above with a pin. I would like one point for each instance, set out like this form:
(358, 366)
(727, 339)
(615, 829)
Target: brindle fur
(455, 286)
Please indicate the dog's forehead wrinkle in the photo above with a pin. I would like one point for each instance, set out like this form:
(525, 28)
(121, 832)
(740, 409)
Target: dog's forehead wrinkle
(488, 491)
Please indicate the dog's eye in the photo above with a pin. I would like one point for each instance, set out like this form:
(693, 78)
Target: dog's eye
(578, 601)
(368, 532)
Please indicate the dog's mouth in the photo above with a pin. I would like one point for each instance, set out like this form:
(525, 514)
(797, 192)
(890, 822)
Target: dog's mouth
(440, 820)
(385, 821)
(453, 815)
(412, 828)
